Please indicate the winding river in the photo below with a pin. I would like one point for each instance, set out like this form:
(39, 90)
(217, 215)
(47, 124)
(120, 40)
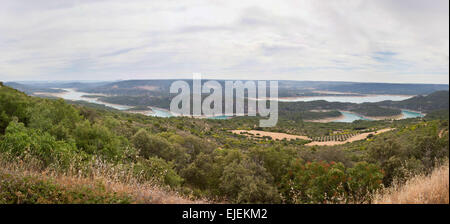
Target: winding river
(74, 95)
(71, 94)
(348, 117)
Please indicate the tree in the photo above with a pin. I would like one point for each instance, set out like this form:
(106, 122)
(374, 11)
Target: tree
(276, 160)
(247, 182)
(56, 117)
(157, 169)
(315, 182)
(387, 154)
(96, 139)
(20, 141)
(203, 173)
(364, 180)
(151, 145)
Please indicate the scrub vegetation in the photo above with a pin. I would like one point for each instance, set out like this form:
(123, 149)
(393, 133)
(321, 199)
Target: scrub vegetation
(55, 152)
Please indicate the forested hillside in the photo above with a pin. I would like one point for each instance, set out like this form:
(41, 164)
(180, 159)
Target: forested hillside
(199, 158)
(432, 102)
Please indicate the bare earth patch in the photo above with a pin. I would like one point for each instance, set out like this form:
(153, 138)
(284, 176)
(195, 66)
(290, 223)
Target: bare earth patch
(281, 136)
(273, 135)
(442, 133)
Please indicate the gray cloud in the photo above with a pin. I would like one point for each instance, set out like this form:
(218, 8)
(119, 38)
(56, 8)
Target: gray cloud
(360, 40)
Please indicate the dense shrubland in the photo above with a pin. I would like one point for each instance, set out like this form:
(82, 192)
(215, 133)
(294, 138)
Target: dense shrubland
(372, 110)
(200, 158)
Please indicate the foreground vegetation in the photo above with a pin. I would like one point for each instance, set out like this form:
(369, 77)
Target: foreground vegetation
(18, 188)
(420, 189)
(25, 181)
(201, 158)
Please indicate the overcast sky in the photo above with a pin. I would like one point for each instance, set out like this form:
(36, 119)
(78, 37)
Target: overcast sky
(344, 40)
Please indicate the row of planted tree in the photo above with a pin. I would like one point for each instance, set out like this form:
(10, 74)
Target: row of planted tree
(334, 137)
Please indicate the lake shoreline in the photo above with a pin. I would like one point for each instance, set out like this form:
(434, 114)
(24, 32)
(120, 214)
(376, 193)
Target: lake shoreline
(382, 118)
(94, 100)
(73, 95)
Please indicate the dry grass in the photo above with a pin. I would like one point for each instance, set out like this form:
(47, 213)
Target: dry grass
(431, 189)
(114, 182)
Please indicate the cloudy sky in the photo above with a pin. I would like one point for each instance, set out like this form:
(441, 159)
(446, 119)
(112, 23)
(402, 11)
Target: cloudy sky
(345, 40)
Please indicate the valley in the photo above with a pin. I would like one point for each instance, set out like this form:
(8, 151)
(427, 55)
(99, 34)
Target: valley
(151, 101)
(250, 108)
(72, 134)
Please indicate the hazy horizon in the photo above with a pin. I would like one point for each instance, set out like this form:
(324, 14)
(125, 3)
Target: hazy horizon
(119, 80)
(383, 41)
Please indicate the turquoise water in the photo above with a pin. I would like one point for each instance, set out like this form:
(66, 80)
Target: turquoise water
(219, 117)
(411, 114)
(74, 95)
(160, 113)
(350, 117)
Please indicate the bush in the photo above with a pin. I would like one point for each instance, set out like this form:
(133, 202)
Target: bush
(98, 140)
(13, 104)
(363, 181)
(55, 117)
(20, 141)
(203, 173)
(157, 169)
(247, 182)
(321, 182)
(151, 145)
(316, 182)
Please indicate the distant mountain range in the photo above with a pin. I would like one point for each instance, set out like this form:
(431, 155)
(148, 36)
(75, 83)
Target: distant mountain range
(30, 89)
(286, 88)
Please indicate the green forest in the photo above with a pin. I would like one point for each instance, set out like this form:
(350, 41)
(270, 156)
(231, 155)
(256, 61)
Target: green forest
(202, 159)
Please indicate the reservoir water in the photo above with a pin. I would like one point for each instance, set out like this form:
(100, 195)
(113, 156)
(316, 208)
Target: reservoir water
(71, 94)
(411, 114)
(220, 117)
(350, 117)
(156, 112)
